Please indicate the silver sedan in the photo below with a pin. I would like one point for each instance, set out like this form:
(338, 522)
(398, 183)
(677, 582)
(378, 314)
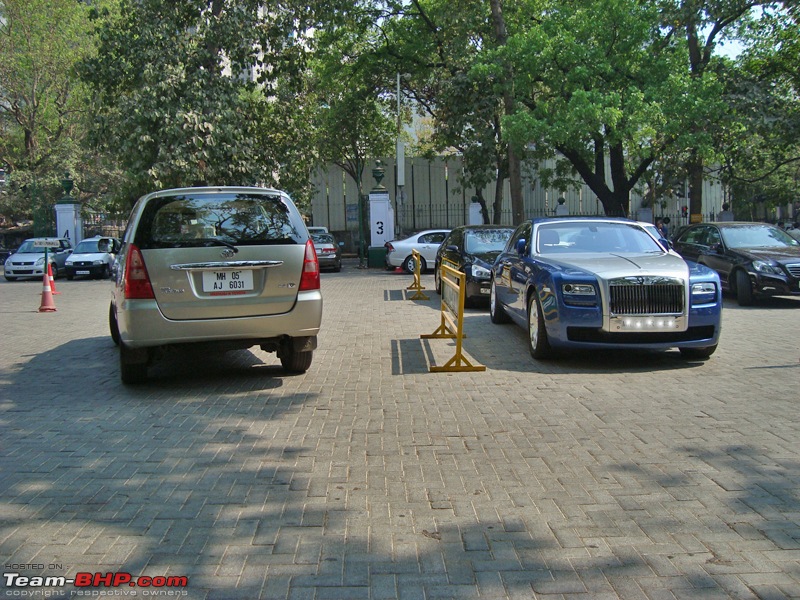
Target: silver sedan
(399, 252)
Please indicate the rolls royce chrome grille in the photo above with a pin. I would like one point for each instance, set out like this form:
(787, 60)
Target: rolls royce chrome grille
(646, 296)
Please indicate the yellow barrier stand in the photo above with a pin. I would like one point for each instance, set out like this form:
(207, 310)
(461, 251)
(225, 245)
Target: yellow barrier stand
(453, 284)
(417, 285)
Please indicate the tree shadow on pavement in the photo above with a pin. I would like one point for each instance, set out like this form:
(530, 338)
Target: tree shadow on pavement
(216, 474)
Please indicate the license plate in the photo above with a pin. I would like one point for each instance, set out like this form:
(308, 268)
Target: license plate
(227, 282)
(486, 290)
(81, 272)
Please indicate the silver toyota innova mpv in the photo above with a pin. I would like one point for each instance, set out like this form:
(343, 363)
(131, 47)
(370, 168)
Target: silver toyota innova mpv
(229, 267)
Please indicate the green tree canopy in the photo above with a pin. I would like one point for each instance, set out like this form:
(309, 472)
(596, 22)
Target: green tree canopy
(42, 102)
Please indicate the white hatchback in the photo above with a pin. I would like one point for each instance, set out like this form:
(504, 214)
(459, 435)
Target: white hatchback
(93, 257)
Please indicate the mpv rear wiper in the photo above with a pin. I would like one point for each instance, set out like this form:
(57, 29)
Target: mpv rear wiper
(223, 243)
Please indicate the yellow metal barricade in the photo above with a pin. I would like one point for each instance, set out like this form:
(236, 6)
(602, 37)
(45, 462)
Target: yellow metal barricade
(453, 284)
(417, 285)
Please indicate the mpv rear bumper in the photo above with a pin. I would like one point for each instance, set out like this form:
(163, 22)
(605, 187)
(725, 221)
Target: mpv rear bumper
(142, 325)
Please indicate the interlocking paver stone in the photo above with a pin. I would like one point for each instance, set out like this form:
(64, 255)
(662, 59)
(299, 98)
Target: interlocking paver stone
(601, 475)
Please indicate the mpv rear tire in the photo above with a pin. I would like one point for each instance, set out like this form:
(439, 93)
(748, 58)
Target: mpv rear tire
(296, 362)
(113, 326)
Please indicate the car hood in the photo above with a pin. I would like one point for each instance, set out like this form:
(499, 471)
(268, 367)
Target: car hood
(608, 266)
(482, 258)
(28, 254)
(88, 256)
(781, 254)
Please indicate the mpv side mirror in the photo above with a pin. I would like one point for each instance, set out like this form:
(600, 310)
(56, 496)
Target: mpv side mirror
(521, 246)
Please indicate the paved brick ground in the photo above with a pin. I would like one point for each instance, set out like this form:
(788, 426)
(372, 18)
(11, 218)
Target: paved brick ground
(597, 476)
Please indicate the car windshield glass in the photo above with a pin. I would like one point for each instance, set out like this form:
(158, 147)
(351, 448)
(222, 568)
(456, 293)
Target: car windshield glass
(756, 236)
(486, 240)
(221, 219)
(592, 236)
(322, 238)
(27, 247)
(92, 246)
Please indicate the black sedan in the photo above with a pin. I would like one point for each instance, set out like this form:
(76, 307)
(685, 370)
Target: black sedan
(472, 249)
(753, 259)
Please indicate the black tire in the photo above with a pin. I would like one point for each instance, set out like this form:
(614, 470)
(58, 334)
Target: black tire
(296, 362)
(409, 264)
(496, 312)
(698, 353)
(437, 278)
(131, 373)
(55, 271)
(744, 291)
(113, 326)
(538, 344)
(337, 268)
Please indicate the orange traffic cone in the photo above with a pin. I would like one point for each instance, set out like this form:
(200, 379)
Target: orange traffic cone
(52, 279)
(47, 296)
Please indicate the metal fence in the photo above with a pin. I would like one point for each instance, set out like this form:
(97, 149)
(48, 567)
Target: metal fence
(433, 197)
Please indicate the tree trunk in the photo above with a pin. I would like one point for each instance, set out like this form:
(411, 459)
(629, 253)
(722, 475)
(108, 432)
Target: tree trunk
(498, 197)
(482, 202)
(694, 171)
(514, 170)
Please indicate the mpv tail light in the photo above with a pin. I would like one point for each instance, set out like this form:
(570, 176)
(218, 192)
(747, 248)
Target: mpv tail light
(309, 279)
(137, 281)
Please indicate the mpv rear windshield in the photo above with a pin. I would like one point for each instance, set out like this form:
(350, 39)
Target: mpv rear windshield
(223, 218)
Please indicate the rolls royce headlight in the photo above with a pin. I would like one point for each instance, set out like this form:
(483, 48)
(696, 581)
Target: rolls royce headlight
(579, 289)
(763, 266)
(704, 293)
(579, 294)
(480, 272)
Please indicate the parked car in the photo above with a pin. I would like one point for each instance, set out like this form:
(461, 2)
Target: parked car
(472, 249)
(398, 252)
(93, 257)
(753, 259)
(658, 235)
(600, 283)
(28, 260)
(329, 251)
(232, 267)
